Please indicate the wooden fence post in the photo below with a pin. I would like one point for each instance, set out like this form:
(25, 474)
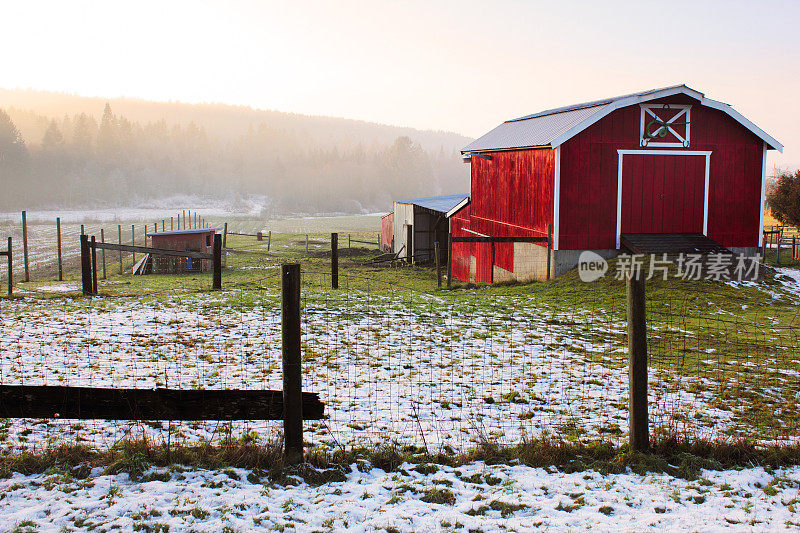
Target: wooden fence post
(349, 245)
(777, 254)
(334, 260)
(292, 376)
(449, 259)
(171, 227)
(549, 249)
(119, 234)
(83, 230)
(269, 239)
(94, 265)
(133, 243)
(86, 267)
(217, 260)
(225, 236)
(438, 264)
(638, 429)
(163, 225)
(25, 245)
(58, 241)
(10, 270)
(103, 251)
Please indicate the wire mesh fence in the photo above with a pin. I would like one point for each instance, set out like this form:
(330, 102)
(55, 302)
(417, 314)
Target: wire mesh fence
(441, 370)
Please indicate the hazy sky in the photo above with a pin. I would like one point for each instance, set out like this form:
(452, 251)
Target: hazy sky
(460, 66)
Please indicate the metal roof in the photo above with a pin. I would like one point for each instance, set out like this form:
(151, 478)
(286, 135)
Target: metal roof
(525, 133)
(442, 204)
(551, 128)
(184, 231)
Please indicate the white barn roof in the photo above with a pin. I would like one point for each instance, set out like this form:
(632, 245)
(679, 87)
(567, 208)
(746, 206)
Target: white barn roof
(552, 128)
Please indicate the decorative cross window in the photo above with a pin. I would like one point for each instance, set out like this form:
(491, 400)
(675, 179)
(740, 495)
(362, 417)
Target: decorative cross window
(665, 125)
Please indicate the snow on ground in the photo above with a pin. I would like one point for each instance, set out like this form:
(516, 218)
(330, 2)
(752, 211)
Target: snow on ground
(792, 279)
(473, 497)
(425, 373)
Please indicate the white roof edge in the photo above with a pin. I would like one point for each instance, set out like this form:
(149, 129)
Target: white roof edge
(632, 100)
(459, 206)
(744, 121)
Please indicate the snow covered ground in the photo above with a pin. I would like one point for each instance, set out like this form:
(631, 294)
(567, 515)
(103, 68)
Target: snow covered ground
(473, 497)
(427, 372)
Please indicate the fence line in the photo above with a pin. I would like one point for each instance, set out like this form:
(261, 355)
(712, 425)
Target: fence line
(399, 365)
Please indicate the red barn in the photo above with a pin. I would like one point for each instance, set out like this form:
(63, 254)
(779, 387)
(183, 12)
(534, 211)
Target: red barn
(191, 240)
(666, 161)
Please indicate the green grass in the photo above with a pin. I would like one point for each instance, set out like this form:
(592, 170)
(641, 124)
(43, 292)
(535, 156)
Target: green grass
(668, 454)
(724, 341)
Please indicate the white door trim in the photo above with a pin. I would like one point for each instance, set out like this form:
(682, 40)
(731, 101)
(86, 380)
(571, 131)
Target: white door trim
(621, 153)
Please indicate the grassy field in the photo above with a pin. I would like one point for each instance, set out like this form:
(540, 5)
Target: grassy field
(396, 359)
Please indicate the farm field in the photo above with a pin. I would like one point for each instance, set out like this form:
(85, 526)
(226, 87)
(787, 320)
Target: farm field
(401, 364)
(43, 233)
(395, 360)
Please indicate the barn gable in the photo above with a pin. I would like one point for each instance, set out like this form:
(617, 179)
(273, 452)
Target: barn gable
(554, 127)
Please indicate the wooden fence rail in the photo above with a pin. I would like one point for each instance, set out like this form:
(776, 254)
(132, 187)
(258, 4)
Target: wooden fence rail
(89, 259)
(88, 403)
(493, 240)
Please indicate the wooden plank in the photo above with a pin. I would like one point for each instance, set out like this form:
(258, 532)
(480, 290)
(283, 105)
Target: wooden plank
(10, 268)
(334, 260)
(58, 240)
(216, 282)
(25, 245)
(292, 365)
(670, 243)
(88, 403)
(153, 251)
(639, 430)
(86, 266)
(499, 239)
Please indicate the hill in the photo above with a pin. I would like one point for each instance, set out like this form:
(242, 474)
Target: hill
(68, 150)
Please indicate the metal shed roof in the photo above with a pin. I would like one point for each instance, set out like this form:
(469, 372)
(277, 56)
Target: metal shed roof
(184, 231)
(551, 128)
(447, 204)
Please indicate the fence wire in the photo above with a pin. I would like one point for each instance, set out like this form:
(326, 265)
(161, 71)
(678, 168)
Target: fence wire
(431, 369)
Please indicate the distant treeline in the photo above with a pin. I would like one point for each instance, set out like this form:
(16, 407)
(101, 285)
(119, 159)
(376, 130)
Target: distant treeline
(80, 161)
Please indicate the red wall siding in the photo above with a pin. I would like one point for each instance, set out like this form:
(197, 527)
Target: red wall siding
(387, 231)
(589, 176)
(193, 242)
(512, 195)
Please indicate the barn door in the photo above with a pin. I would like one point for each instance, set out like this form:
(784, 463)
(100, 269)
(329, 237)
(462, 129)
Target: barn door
(662, 193)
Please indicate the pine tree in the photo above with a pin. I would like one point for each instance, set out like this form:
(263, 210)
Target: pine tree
(108, 135)
(12, 147)
(53, 138)
(83, 133)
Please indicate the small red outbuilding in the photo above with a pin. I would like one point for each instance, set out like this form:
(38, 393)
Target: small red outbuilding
(663, 161)
(191, 240)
